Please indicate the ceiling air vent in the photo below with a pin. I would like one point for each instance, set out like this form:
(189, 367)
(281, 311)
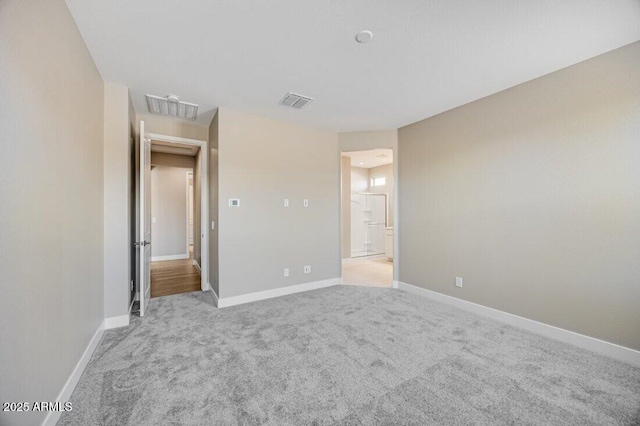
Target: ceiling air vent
(172, 106)
(295, 101)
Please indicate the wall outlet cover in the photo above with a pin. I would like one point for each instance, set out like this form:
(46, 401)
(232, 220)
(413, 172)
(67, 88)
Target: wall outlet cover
(286, 272)
(458, 282)
(286, 202)
(307, 269)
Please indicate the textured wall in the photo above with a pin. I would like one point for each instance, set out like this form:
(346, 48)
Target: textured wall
(532, 195)
(51, 226)
(262, 161)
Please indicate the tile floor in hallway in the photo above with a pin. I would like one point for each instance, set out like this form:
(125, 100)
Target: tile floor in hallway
(372, 271)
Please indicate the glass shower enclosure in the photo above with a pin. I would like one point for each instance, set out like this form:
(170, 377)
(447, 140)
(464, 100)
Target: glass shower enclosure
(368, 222)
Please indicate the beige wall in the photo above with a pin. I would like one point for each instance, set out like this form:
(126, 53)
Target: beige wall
(262, 161)
(117, 210)
(345, 191)
(213, 206)
(532, 195)
(51, 255)
(172, 160)
(363, 141)
(133, 251)
(359, 179)
(169, 210)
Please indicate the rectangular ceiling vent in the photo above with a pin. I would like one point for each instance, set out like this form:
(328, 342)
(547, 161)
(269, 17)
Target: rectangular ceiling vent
(295, 101)
(172, 106)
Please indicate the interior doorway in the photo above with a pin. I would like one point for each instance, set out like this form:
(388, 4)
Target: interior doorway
(173, 259)
(173, 213)
(368, 189)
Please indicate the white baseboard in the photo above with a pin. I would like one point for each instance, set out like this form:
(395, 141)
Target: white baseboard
(115, 322)
(170, 257)
(215, 297)
(195, 263)
(620, 353)
(68, 388)
(276, 292)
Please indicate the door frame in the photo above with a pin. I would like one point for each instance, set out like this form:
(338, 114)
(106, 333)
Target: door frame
(204, 200)
(189, 208)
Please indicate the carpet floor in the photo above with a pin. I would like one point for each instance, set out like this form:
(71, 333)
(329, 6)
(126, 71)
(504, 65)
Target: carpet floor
(343, 355)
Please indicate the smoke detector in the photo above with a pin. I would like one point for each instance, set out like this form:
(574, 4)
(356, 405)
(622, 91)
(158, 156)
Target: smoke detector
(296, 101)
(172, 106)
(364, 36)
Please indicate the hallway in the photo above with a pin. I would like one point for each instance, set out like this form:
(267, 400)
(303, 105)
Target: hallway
(174, 276)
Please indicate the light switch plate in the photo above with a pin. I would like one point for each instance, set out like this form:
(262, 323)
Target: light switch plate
(307, 269)
(153, 220)
(286, 272)
(305, 202)
(213, 226)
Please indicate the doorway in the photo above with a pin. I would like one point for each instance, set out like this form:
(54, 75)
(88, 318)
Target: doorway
(173, 269)
(172, 215)
(368, 186)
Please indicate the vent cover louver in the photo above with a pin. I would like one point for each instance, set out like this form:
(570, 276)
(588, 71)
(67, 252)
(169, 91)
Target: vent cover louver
(172, 106)
(295, 101)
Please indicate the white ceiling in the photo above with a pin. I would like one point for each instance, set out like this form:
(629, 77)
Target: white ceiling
(371, 158)
(425, 57)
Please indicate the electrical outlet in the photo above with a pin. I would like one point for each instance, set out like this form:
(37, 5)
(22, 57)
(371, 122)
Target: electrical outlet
(458, 282)
(286, 272)
(307, 269)
(286, 202)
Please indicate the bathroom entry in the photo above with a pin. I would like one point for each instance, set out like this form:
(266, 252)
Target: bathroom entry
(367, 184)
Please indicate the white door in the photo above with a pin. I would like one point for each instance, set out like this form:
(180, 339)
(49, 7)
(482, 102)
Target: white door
(145, 221)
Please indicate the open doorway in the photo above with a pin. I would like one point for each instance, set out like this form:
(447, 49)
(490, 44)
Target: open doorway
(367, 182)
(173, 213)
(173, 269)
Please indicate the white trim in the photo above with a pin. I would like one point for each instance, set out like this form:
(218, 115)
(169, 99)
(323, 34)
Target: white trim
(170, 257)
(215, 296)
(189, 213)
(276, 292)
(68, 388)
(601, 347)
(195, 263)
(115, 322)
